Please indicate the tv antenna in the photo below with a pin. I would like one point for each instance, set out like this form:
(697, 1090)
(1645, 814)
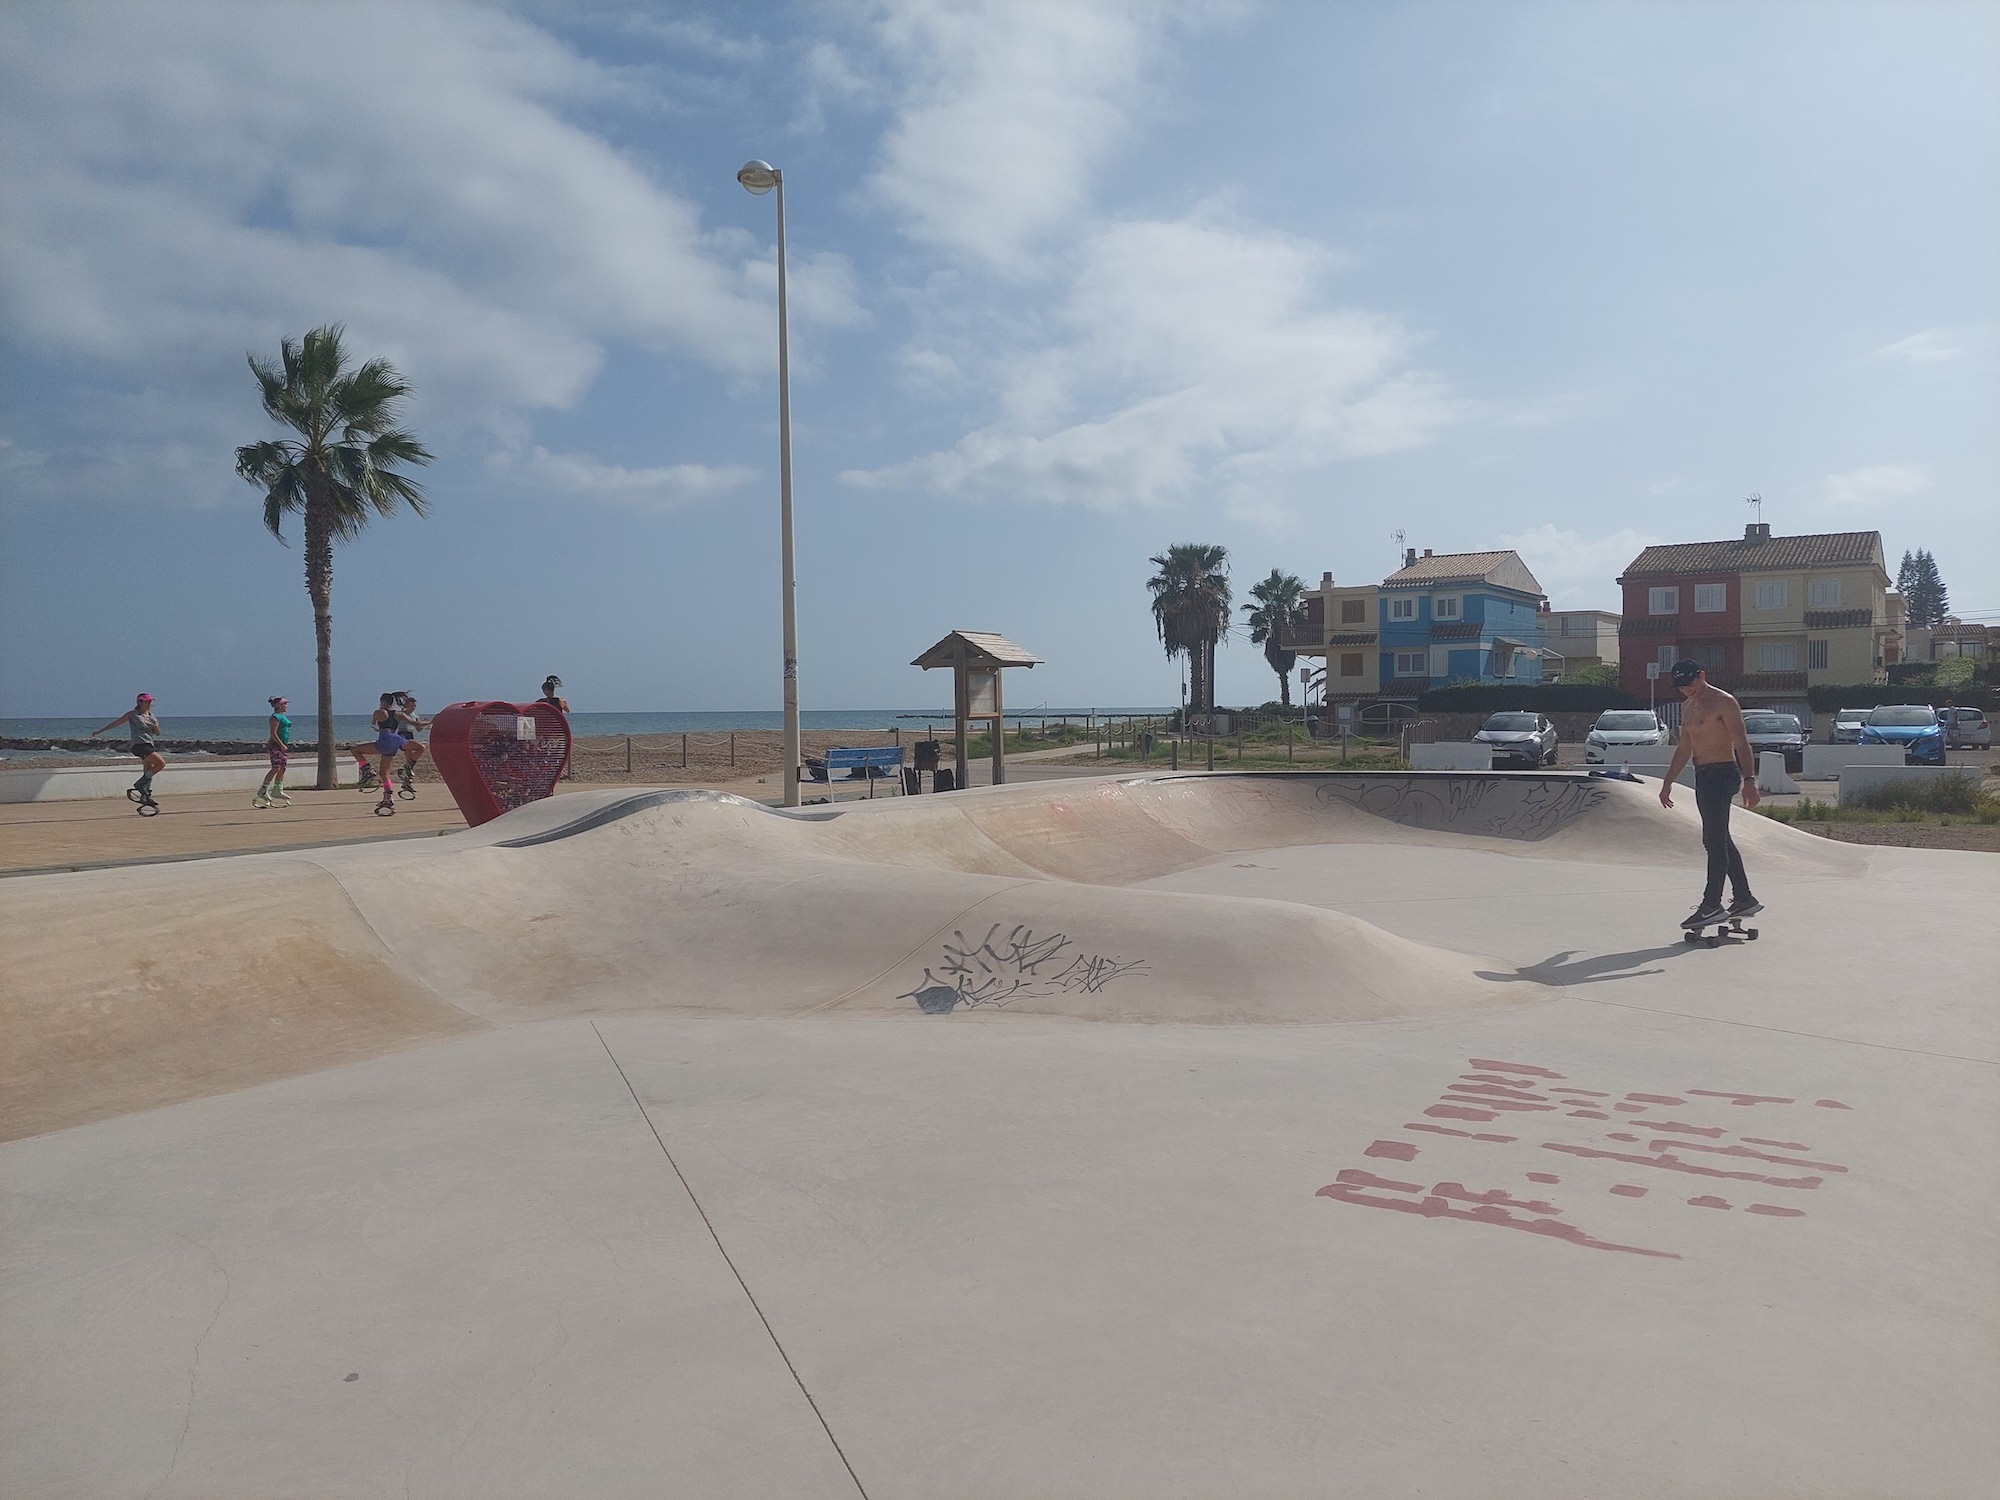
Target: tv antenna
(1401, 546)
(1758, 502)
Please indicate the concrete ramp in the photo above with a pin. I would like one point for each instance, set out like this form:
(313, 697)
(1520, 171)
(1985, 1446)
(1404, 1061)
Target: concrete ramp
(131, 989)
(137, 988)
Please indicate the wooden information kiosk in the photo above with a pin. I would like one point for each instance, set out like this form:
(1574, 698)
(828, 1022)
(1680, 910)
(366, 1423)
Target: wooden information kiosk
(976, 658)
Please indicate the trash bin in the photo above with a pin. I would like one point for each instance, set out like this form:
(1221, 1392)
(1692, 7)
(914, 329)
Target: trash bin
(944, 779)
(929, 755)
(912, 781)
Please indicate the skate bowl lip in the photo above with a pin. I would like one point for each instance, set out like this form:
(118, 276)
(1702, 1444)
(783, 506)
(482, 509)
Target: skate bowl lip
(634, 803)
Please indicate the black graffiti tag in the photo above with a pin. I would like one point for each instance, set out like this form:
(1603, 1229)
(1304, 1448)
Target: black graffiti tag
(997, 970)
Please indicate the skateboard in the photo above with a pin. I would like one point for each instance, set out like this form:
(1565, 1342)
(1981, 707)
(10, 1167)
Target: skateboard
(1725, 928)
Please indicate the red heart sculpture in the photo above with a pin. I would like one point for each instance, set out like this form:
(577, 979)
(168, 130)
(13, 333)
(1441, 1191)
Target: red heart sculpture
(495, 756)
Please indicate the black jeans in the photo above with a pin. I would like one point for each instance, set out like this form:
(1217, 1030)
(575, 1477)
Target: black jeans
(1714, 786)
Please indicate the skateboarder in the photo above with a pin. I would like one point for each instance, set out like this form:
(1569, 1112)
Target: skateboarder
(1712, 735)
(145, 730)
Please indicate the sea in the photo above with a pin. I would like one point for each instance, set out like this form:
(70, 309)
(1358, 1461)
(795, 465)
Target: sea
(355, 727)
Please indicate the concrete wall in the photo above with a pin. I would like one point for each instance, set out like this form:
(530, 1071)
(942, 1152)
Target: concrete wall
(110, 779)
(1460, 755)
(1824, 762)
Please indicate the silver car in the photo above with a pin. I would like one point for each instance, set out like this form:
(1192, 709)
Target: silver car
(1519, 739)
(1767, 729)
(1847, 724)
(1619, 731)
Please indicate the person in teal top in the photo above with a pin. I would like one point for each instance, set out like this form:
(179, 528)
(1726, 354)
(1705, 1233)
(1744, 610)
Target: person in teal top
(278, 746)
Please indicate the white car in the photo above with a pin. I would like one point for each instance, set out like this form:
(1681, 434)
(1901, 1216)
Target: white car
(1966, 729)
(1619, 731)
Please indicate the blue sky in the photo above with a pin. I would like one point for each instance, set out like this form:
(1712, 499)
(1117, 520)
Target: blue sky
(1071, 281)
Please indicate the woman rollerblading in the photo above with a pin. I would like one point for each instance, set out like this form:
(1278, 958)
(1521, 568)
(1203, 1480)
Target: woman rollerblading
(145, 731)
(277, 746)
(396, 723)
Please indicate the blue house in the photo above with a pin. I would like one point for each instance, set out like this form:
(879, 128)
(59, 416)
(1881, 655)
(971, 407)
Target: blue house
(1460, 617)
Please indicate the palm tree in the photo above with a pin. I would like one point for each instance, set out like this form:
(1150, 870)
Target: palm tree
(1191, 610)
(339, 472)
(1279, 607)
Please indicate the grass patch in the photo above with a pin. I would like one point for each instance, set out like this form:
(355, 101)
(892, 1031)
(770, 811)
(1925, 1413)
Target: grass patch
(1938, 801)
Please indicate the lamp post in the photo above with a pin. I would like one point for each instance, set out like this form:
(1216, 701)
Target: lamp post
(760, 177)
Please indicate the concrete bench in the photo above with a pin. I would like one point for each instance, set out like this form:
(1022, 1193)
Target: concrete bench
(1771, 773)
(1825, 762)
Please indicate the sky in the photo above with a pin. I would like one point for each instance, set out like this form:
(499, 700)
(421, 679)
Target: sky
(1071, 281)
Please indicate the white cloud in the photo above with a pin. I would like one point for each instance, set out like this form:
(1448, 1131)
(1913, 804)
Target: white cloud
(1008, 108)
(1932, 346)
(194, 180)
(1574, 570)
(665, 487)
(1189, 358)
(1876, 485)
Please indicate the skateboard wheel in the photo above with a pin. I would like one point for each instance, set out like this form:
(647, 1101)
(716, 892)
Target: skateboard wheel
(1716, 941)
(1690, 937)
(1751, 933)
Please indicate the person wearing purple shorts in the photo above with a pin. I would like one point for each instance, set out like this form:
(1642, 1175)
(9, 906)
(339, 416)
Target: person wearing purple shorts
(278, 746)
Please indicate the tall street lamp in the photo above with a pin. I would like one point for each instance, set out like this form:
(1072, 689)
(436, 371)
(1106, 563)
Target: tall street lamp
(760, 177)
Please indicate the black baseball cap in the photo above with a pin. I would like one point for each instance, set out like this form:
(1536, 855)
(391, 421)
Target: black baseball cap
(1685, 671)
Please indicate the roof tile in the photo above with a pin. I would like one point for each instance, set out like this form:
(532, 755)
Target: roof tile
(1825, 549)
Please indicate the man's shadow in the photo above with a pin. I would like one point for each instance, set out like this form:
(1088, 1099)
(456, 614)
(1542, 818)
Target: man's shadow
(1559, 969)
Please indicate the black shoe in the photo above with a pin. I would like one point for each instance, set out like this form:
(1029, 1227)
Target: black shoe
(1707, 915)
(1744, 906)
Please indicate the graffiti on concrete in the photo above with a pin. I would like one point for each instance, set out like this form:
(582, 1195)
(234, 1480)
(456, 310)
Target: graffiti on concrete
(1508, 807)
(1016, 964)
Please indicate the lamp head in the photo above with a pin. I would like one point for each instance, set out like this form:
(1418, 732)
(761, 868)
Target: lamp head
(758, 176)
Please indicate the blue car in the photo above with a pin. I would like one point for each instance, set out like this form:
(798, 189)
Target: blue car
(1913, 726)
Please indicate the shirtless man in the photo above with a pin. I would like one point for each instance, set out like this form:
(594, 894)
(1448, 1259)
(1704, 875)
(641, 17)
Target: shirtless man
(1712, 734)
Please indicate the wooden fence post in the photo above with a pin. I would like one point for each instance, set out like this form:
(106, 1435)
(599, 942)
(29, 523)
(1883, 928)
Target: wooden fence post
(628, 755)
(732, 749)
(684, 751)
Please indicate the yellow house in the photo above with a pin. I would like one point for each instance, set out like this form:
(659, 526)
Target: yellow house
(1342, 630)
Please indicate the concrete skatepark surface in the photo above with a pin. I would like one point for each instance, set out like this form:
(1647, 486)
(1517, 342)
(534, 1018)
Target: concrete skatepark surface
(1230, 1135)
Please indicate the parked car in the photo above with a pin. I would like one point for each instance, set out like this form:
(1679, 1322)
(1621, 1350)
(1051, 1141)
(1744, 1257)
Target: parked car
(1966, 729)
(1767, 729)
(1847, 724)
(1620, 730)
(1522, 739)
(1914, 726)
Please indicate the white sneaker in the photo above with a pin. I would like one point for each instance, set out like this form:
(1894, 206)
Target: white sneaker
(279, 799)
(260, 800)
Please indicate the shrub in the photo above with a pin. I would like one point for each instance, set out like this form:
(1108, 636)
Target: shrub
(1944, 794)
(1592, 674)
(1954, 673)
